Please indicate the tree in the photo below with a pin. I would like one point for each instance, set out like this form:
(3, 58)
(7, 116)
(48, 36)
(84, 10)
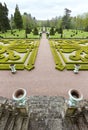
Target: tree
(29, 21)
(35, 31)
(52, 32)
(18, 18)
(12, 24)
(66, 20)
(4, 21)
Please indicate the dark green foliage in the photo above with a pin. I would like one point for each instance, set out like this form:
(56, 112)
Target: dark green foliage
(66, 20)
(52, 32)
(18, 18)
(35, 31)
(4, 21)
(86, 28)
(47, 33)
(60, 30)
(28, 30)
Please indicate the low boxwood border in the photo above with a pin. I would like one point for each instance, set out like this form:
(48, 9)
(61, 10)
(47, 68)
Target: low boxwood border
(83, 66)
(7, 66)
(32, 58)
(56, 57)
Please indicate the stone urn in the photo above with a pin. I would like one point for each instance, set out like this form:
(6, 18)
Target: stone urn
(13, 69)
(74, 97)
(19, 96)
(76, 68)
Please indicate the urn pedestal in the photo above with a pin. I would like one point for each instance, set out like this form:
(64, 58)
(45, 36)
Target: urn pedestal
(19, 96)
(72, 105)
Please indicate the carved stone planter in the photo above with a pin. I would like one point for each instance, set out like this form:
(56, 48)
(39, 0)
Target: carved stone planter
(13, 69)
(71, 106)
(20, 98)
(74, 97)
(76, 69)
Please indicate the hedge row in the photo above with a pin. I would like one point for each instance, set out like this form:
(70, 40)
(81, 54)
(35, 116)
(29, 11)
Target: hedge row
(32, 58)
(57, 59)
(7, 66)
(82, 66)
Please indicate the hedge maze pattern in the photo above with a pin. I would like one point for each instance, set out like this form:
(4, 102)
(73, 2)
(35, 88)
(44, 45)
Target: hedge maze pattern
(20, 52)
(66, 53)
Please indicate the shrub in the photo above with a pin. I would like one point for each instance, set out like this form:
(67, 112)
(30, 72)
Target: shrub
(35, 31)
(28, 30)
(52, 32)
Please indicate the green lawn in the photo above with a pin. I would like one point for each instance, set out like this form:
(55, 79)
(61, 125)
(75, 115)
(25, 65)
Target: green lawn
(71, 34)
(66, 34)
(18, 34)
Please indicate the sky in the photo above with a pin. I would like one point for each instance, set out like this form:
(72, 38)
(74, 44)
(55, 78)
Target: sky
(47, 9)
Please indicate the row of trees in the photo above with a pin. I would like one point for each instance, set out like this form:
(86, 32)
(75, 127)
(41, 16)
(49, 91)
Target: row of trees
(17, 21)
(27, 22)
(5, 23)
(67, 21)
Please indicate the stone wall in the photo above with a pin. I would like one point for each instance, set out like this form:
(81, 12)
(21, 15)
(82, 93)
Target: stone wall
(44, 113)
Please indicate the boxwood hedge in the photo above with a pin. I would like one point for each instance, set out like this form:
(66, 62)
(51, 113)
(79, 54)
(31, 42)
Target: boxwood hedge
(11, 51)
(77, 51)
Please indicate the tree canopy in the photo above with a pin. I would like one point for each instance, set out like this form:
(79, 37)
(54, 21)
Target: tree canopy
(66, 19)
(4, 21)
(18, 18)
(28, 22)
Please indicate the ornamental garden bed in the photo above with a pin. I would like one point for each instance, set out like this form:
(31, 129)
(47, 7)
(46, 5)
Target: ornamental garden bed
(21, 52)
(68, 52)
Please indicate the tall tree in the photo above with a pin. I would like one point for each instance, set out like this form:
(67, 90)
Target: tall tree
(18, 18)
(66, 20)
(4, 21)
(12, 24)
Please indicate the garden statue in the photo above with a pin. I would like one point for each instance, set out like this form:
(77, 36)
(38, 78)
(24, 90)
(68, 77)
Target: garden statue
(13, 69)
(76, 69)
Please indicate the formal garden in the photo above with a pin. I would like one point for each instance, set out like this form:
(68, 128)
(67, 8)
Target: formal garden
(21, 52)
(68, 52)
(21, 33)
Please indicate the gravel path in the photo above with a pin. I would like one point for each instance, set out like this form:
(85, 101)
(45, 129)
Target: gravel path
(44, 79)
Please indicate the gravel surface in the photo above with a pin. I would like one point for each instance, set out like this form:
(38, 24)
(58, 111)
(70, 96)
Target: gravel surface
(44, 79)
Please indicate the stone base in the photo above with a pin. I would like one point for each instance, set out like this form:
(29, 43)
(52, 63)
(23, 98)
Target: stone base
(44, 113)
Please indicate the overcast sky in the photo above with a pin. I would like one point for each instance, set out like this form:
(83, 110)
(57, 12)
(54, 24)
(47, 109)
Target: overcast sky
(46, 9)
